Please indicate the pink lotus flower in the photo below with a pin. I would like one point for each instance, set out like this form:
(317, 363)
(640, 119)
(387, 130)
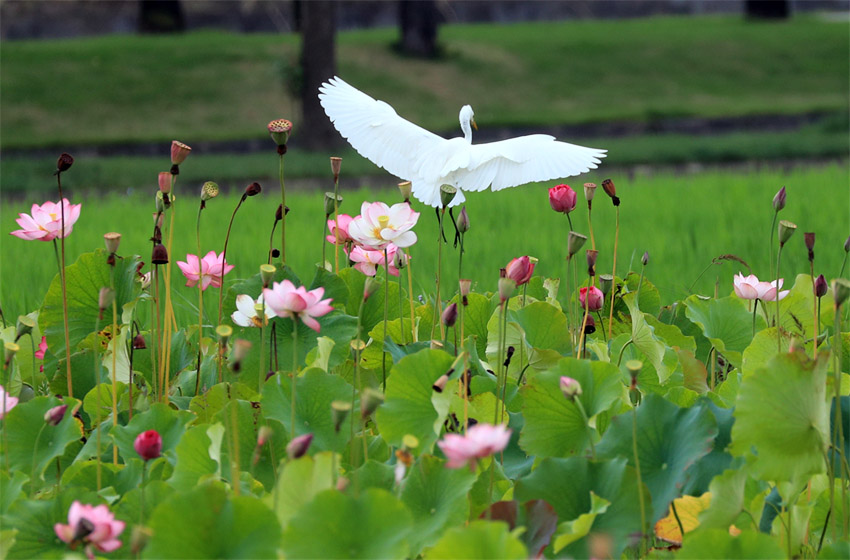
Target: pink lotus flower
(288, 301)
(378, 225)
(39, 354)
(749, 287)
(368, 260)
(520, 270)
(562, 199)
(45, 224)
(209, 270)
(595, 299)
(344, 222)
(481, 440)
(7, 402)
(148, 445)
(94, 525)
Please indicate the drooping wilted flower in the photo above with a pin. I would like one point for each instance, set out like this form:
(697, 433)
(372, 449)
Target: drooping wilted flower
(45, 223)
(339, 236)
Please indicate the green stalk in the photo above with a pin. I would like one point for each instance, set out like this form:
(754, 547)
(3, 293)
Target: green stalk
(97, 392)
(778, 327)
(838, 442)
(34, 450)
(755, 308)
(772, 231)
(502, 360)
(114, 372)
(438, 304)
(614, 269)
(283, 214)
(401, 308)
(500, 352)
(639, 479)
(64, 290)
(294, 374)
(336, 225)
(262, 375)
(386, 319)
(200, 298)
(580, 406)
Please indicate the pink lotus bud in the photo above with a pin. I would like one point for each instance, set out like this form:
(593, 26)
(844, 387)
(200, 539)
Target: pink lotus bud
(298, 447)
(520, 270)
(55, 415)
(644, 260)
(562, 199)
(280, 129)
(64, 162)
(779, 200)
(148, 445)
(463, 221)
(592, 298)
(570, 387)
(179, 152)
(370, 286)
(449, 316)
(164, 181)
(820, 286)
(264, 434)
(847, 245)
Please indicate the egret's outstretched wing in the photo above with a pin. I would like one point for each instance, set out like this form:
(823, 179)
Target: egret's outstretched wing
(375, 130)
(522, 160)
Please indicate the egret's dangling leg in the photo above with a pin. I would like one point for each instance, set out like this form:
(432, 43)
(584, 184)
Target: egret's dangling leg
(457, 231)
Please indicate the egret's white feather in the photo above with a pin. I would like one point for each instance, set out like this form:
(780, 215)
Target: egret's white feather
(428, 161)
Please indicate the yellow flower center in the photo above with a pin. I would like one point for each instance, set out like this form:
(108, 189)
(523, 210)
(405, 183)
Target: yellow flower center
(383, 221)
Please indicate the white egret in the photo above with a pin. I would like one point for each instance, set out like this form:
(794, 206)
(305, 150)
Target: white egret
(428, 161)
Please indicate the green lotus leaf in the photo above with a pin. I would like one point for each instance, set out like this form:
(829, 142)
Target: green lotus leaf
(300, 481)
(710, 544)
(480, 540)
(727, 322)
(170, 423)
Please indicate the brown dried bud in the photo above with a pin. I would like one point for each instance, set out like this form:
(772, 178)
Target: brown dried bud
(278, 215)
(820, 286)
(591, 261)
(440, 384)
(253, 189)
(336, 166)
(610, 190)
(64, 162)
(810, 244)
(139, 342)
(160, 254)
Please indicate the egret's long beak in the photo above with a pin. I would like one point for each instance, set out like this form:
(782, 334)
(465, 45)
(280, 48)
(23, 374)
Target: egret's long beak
(475, 126)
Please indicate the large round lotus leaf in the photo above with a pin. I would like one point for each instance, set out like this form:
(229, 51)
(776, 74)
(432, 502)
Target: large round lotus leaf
(335, 525)
(437, 498)
(781, 414)
(669, 440)
(206, 523)
(718, 544)
(726, 322)
(411, 405)
(554, 426)
(480, 540)
(168, 422)
(83, 281)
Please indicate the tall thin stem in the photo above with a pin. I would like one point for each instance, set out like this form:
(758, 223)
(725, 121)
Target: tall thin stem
(224, 253)
(838, 423)
(283, 211)
(413, 333)
(64, 289)
(772, 231)
(336, 224)
(165, 362)
(99, 399)
(639, 479)
(114, 370)
(386, 318)
(157, 342)
(614, 269)
(814, 311)
(200, 299)
(438, 303)
(755, 308)
(294, 374)
(584, 417)
(776, 297)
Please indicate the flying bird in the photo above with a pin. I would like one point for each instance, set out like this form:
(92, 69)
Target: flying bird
(428, 161)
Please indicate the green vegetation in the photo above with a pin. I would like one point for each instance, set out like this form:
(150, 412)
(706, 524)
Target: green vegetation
(683, 221)
(214, 85)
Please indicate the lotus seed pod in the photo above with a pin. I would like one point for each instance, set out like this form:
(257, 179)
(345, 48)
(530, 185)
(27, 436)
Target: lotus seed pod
(267, 274)
(179, 152)
(606, 282)
(339, 412)
(332, 203)
(209, 190)
(406, 190)
(280, 129)
(589, 192)
(840, 291)
(336, 167)
(447, 194)
(112, 241)
(575, 241)
(786, 230)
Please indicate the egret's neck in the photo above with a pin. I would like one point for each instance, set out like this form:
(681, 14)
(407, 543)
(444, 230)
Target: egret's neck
(467, 131)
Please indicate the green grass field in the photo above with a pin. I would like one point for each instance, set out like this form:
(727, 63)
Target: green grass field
(683, 221)
(214, 85)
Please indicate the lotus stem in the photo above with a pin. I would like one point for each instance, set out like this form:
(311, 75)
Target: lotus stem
(64, 289)
(283, 213)
(438, 303)
(115, 372)
(165, 363)
(586, 420)
(614, 269)
(413, 334)
(639, 480)
(336, 225)
(97, 394)
(294, 375)
(776, 297)
(386, 318)
(34, 451)
(155, 373)
(200, 300)
(755, 308)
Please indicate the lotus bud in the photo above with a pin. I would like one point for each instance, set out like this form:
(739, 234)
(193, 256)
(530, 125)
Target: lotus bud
(370, 286)
(809, 238)
(159, 254)
(606, 282)
(440, 383)
(208, 190)
(370, 400)
(278, 215)
(779, 200)
(644, 260)
(589, 192)
(267, 274)
(164, 180)
(64, 162)
(449, 316)
(570, 387)
(332, 202)
(506, 289)
(847, 245)
(786, 230)
(55, 415)
(336, 166)
(339, 412)
(562, 198)
(298, 447)
(400, 259)
(179, 152)
(148, 445)
(105, 298)
(139, 342)
(610, 190)
(280, 129)
(591, 261)
(463, 221)
(465, 286)
(820, 286)
(11, 349)
(575, 241)
(264, 434)
(240, 350)
(447, 194)
(24, 326)
(840, 291)
(252, 190)
(406, 190)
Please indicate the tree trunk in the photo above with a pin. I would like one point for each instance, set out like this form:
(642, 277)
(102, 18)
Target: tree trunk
(767, 9)
(318, 63)
(161, 16)
(419, 21)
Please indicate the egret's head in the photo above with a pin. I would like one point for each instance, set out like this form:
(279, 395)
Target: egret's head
(467, 117)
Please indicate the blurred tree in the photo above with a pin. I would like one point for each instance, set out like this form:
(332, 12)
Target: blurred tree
(161, 16)
(419, 20)
(318, 63)
(767, 9)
